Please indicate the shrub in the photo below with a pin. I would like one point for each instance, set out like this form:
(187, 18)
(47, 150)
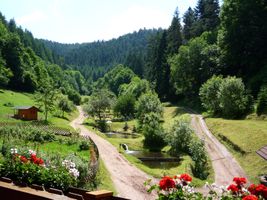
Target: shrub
(83, 169)
(199, 156)
(153, 132)
(49, 137)
(148, 103)
(125, 106)
(226, 97)
(84, 145)
(179, 137)
(102, 125)
(125, 127)
(75, 97)
(8, 104)
(233, 100)
(209, 94)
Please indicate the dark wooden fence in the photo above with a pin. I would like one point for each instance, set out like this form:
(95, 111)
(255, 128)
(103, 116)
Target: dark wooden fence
(40, 126)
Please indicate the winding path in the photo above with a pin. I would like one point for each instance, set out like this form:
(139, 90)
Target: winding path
(128, 180)
(224, 164)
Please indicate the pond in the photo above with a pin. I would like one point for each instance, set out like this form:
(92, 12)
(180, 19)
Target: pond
(155, 159)
(121, 135)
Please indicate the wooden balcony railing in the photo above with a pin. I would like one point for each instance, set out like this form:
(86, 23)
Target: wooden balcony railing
(8, 190)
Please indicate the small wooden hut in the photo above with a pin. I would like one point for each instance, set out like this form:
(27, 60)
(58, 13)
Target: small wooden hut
(26, 112)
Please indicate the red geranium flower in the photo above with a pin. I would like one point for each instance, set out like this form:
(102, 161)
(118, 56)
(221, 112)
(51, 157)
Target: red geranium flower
(233, 188)
(250, 197)
(33, 157)
(23, 159)
(252, 189)
(185, 177)
(38, 161)
(240, 180)
(166, 182)
(261, 190)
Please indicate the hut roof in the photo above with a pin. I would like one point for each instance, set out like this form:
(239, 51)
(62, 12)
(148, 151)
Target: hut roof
(25, 107)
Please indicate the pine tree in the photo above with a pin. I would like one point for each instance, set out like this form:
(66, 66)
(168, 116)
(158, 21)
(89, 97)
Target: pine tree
(242, 39)
(157, 69)
(174, 35)
(207, 14)
(189, 19)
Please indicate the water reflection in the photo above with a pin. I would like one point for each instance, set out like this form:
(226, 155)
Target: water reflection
(122, 135)
(156, 159)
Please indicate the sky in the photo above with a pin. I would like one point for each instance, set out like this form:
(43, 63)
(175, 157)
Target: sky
(77, 21)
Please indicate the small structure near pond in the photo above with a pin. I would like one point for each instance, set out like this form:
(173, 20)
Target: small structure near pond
(26, 112)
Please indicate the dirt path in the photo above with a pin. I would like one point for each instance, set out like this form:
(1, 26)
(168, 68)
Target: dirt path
(224, 164)
(128, 180)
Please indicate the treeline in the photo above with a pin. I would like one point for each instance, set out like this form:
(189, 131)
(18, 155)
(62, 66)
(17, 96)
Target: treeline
(94, 59)
(27, 65)
(227, 41)
(212, 41)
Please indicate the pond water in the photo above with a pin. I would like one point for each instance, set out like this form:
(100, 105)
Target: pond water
(121, 135)
(156, 159)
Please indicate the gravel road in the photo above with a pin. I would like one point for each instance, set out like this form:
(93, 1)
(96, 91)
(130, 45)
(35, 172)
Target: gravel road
(128, 180)
(224, 164)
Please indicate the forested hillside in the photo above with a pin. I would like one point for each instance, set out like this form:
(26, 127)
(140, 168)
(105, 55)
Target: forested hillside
(94, 59)
(27, 65)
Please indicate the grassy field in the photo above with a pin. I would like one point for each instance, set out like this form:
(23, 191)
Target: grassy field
(170, 114)
(105, 179)
(243, 138)
(9, 99)
(64, 150)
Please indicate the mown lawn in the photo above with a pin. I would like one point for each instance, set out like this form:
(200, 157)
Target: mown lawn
(64, 150)
(246, 135)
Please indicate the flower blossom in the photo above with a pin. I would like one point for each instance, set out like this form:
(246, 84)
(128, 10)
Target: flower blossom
(166, 183)
(185, 179)
(258, 190)
(74, 172)
(23, 159)
(14, 151)
(32, 152)
(250, 197)
(240, 181)
(70, 166)
(233, 188)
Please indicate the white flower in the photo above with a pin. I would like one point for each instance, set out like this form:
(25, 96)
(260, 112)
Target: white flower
(74, 172)
(214, 185)
(72, 165)
(32, 152)
(244, 190)
(13, 150)
(223, 188)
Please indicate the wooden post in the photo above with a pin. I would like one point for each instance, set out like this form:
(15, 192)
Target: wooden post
(100, 194)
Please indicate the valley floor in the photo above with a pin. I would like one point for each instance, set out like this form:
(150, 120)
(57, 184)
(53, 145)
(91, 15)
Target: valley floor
(128, 180)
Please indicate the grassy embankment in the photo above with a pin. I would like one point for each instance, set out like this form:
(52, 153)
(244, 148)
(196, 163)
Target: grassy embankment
(9, 99)
(243, 138)
(170, 114)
